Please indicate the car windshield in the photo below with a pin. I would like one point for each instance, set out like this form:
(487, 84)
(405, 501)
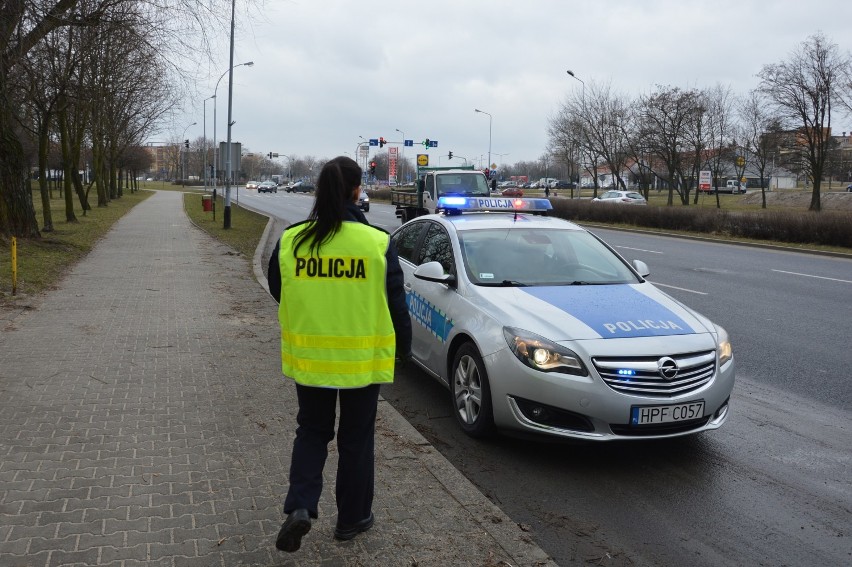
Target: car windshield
(464, 183)
(540, 257)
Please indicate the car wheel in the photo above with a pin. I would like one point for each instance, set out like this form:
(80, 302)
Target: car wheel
(367, 209)
(471, 393)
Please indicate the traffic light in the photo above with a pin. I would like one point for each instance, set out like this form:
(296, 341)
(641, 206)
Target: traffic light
(426, 142)
(450, 156)
(186, 144)
(372, 168)
(382, 142)
(269, 155)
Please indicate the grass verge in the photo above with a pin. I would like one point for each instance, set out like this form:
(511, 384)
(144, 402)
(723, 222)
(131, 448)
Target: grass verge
(246, 226)
(42, 262)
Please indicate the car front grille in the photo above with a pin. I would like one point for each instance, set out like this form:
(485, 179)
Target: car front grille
(642, 375)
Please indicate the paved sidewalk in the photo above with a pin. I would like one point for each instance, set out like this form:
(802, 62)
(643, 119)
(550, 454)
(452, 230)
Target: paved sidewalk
(144, 422)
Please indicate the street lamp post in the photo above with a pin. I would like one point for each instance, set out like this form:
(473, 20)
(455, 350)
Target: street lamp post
(583, 99)
(489, 135)
(402, 164)
(289, 168)
(183, 161)
(227, 214)
(215, 142)
(205, 141)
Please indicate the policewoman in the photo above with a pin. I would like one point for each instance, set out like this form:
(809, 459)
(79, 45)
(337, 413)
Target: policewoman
(343, 322)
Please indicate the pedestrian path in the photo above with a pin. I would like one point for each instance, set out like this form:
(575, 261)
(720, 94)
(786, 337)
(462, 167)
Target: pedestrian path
(144, 422)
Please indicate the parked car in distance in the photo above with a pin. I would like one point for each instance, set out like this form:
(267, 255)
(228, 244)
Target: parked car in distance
(364, 201)
(512, 192)
(300, 187)
(562, 184)
(625, 197)
(267, 187)
(251, 184)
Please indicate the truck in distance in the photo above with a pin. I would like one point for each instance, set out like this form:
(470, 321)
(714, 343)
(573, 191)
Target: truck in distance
(731, 186)
(437, 182)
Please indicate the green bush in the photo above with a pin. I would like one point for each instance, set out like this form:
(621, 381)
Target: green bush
(824, 228)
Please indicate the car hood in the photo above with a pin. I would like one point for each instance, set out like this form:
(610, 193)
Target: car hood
(566, 313)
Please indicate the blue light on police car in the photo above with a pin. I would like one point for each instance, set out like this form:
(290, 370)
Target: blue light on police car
(626, 372)
(496, 204)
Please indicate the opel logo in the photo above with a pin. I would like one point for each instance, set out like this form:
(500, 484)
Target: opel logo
(668, 368)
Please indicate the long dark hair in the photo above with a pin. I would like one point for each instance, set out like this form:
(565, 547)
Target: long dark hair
(337, 179)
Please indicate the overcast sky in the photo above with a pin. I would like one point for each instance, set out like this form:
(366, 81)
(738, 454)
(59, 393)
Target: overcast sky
(329, 71)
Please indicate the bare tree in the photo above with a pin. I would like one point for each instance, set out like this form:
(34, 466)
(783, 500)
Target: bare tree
(664, 117)
(718, 103)
(760, 132)
(570, 134)
(24, 24)
(697, 140)
(804, 89)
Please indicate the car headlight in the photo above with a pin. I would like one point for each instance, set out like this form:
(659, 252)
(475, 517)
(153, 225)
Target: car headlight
(543, 355)
(723, 345)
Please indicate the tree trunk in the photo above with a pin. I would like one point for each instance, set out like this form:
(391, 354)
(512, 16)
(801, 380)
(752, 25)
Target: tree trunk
(100, 173)
(816, 205)
(82, 196)
(17, 215)
(67, 163)
(43, 183)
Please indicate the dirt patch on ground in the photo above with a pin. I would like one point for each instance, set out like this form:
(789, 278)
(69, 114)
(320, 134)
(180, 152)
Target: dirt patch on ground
(835, 201)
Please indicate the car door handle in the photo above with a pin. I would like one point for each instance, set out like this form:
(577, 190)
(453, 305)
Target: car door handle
(406, 286)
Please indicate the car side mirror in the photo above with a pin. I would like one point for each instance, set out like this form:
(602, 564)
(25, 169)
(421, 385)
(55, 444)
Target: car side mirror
(641, 268)
(434, 272)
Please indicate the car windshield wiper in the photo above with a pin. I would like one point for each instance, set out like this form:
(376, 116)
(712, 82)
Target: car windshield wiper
(505, 283)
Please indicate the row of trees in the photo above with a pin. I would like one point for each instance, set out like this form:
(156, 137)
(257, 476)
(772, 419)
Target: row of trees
(93, 77)
(673, 133)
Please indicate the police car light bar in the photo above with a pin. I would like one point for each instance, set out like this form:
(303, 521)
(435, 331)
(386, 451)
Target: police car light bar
(459, 204)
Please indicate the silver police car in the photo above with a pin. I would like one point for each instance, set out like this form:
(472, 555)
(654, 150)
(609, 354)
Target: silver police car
(537, 326)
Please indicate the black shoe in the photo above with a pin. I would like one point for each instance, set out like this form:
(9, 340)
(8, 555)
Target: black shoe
(348, 531)
(297, 524)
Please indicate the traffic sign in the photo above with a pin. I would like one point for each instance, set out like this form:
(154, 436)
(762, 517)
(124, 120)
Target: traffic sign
(433, 143)
(422, 160)
(374, 141)
(408, 142)
(704, 180)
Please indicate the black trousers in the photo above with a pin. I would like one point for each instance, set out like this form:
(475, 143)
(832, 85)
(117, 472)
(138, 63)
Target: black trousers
(355, 446)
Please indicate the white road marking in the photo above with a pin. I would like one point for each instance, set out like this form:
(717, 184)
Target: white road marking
(639, 249)
(679, 288)
(812, 276)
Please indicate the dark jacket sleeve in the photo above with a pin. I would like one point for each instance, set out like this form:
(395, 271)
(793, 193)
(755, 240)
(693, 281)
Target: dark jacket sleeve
(396, 302)
(273, 274)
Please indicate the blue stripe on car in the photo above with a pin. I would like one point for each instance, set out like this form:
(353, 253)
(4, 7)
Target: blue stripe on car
(613, 311)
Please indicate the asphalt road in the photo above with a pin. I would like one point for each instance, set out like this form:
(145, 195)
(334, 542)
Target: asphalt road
(772, 487)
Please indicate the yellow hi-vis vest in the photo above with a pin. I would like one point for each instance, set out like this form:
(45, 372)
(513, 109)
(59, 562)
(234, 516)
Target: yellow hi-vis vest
(336, 328)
